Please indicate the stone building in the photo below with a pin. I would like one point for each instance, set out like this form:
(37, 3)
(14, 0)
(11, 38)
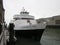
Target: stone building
(1, 12)
(1, 15)
(2, 36)
(55, 20)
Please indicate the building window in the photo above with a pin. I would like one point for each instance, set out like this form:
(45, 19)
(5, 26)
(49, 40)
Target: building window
(57, 21)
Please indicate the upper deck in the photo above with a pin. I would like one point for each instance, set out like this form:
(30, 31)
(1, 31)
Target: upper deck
(23, 15)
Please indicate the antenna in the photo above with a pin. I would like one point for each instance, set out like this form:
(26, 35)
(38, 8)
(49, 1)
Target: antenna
(23, 9)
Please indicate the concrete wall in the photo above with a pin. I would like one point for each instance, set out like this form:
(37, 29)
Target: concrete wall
(51, 36)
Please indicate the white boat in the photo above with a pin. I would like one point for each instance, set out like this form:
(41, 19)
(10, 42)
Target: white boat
(26, 25)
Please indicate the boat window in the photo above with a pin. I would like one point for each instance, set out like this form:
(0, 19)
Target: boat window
(17, 18)
(24, 12)
(28, 18)
(38, 22)
(28, 21)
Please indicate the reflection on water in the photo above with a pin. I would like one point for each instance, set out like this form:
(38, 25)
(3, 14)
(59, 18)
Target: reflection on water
(51, 37)
(26, 41)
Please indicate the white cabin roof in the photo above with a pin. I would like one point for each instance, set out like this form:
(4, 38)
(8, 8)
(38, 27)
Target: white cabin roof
(23, 14)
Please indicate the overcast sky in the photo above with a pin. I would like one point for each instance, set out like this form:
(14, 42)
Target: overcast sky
(37, 8)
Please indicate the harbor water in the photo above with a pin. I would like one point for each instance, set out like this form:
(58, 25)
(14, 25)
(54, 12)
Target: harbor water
(51, 36)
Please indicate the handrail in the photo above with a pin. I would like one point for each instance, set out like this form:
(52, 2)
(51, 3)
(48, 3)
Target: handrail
(1, 36)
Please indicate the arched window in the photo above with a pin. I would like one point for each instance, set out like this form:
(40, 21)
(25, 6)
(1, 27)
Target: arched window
(0, 28)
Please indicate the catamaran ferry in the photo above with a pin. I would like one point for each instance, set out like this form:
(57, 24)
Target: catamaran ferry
(26, 25)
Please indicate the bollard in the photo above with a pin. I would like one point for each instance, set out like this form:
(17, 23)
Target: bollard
(11, 34)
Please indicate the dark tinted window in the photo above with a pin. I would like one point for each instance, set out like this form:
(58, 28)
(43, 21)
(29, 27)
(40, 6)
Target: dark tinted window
(0, 28)
(57, 21)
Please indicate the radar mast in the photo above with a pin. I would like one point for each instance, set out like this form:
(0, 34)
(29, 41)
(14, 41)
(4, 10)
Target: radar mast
(24, 12)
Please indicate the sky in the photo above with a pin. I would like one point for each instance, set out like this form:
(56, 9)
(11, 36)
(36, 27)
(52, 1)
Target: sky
(37, 8)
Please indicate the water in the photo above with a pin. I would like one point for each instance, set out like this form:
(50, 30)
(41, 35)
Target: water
(27, 41)
(51, 36)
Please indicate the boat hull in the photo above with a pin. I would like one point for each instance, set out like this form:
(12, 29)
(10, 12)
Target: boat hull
(33, 34)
